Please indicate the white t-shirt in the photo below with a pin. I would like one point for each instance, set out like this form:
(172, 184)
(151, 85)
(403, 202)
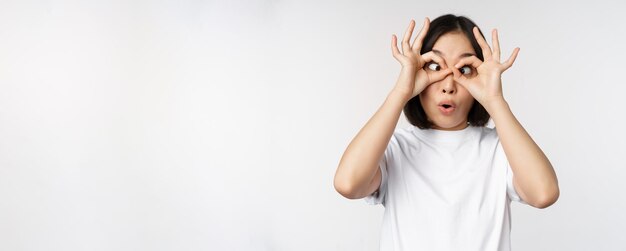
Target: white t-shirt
(445, 190)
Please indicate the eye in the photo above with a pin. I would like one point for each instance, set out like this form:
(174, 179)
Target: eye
(466, 70)
(433, 66)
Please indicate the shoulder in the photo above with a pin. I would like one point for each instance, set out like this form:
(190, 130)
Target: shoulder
(487, 133)
(405, 135)
(403, 138)
(403, 132)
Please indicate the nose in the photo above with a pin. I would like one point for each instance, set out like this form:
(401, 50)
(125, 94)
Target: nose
(448, 85)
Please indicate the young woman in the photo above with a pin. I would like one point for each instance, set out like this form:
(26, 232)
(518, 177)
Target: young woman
(447, 181)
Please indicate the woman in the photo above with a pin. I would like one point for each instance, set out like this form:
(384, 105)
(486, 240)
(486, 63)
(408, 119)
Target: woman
(447, 181)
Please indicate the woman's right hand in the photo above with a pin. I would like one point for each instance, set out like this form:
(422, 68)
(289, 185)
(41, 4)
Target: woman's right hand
(414, 77)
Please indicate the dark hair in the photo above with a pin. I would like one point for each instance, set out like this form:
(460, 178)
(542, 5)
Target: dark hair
(413, 110)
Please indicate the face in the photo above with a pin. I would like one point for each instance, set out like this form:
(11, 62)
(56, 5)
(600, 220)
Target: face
(451, 47)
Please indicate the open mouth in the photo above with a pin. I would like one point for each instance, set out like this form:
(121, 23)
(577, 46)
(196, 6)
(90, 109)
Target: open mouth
(447, 107)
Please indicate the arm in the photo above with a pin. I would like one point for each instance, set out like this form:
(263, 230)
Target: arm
(358, 173)
(533, 176)
(358, 167)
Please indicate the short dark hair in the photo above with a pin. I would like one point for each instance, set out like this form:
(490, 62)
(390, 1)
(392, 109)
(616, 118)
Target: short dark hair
(413, 110)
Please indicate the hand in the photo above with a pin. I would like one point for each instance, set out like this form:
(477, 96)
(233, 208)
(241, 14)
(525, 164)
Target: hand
(413, 78)
(487, 85)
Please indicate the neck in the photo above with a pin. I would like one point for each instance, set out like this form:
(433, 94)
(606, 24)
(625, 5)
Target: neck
(460, 126)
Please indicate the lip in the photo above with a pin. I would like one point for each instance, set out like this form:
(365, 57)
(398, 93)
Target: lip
(449, 110)
(447, 102)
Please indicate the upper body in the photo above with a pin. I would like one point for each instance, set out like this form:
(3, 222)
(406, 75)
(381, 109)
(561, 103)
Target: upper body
(445, 190)
(435, 194)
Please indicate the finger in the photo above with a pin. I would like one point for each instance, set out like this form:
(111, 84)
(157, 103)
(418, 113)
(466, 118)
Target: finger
(394, 47)
(435, 76)
(439, 75)
(459, 77)
(431, 56)
(471, 60)
(407, 36)
(483, 44)
(511, 60)
(496, 44)
(417, 43)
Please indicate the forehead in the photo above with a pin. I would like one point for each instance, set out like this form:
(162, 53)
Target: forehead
(453, 45)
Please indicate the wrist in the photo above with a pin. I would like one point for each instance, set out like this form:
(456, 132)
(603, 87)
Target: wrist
(409, 68)
(399, 96)
(495, 104)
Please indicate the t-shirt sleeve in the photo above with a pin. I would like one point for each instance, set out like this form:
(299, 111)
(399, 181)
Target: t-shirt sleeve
(510, 188)
(378, 197)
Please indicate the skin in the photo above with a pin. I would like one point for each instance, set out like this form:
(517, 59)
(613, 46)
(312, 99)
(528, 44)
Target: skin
(451, 48)
(534, 178)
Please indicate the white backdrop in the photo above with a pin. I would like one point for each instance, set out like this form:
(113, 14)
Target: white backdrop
(218, 125)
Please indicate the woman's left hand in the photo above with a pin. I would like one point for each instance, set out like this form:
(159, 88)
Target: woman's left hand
(487, 85)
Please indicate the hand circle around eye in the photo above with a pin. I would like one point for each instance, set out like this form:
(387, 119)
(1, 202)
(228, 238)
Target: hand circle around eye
(418, 70)
(433, 66)
(466, 70)
(482, 77)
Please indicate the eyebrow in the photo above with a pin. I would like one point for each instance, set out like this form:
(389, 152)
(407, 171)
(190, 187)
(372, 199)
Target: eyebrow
(464, 55)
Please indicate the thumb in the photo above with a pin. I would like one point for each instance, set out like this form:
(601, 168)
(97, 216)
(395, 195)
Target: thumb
(439, 75)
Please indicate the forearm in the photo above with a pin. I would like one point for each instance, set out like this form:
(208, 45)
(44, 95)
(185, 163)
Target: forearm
(532, 170)
(359, 162)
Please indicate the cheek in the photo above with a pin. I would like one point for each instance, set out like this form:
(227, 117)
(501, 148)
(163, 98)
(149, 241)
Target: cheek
(431, 87)
(465, 95)
(469, 102)
(425, 97)
(429, 91)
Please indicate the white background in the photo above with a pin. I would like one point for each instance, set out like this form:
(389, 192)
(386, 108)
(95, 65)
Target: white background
(218, 125)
